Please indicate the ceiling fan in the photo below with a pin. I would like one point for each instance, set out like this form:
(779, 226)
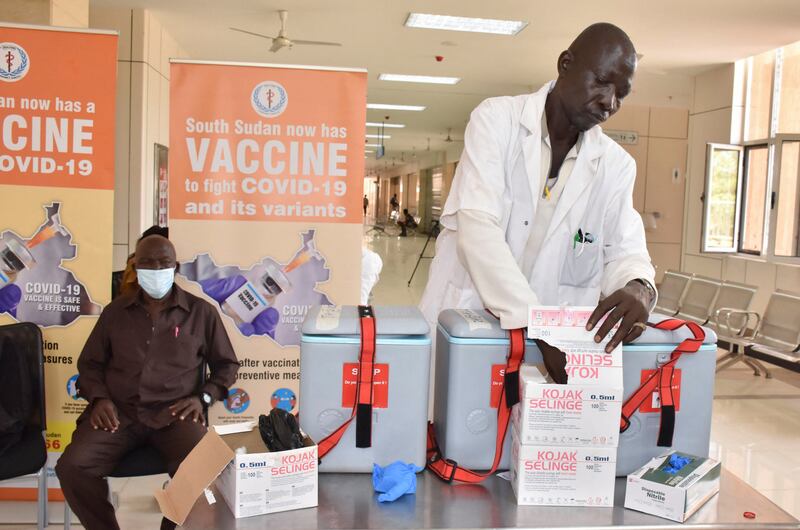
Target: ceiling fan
(449, 139)
(282, 41)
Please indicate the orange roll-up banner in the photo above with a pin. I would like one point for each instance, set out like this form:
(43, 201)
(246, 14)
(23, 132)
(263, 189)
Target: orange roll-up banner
(266, 173)
(57, 95)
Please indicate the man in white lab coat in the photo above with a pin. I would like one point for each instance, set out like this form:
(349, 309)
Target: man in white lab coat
(541, 209)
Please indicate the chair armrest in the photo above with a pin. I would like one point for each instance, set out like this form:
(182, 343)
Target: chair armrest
(726, 313)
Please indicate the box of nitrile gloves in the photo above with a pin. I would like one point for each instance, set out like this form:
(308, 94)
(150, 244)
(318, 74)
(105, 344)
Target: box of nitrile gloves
(557, 475)
(673, 486)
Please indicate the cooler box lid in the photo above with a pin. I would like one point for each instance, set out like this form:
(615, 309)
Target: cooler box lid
(471, 324)
(343, 321)
(479, 324)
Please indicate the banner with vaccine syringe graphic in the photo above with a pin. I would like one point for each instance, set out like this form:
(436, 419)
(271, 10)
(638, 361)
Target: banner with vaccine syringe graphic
(34, 284)
(56, 207)
(266, 175)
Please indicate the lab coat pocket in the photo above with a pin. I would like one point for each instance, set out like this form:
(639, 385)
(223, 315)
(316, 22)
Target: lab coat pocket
(583, 268)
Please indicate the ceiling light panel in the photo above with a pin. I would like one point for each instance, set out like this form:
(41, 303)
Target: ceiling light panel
(386, 106)
(476, 25)
(431, 79)
(372, 145)
(387, 125)
(378, 136)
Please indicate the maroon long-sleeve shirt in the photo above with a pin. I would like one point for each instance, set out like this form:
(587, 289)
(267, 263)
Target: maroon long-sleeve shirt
(145, 367)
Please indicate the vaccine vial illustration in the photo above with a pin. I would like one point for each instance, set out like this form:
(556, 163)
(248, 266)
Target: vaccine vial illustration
(255, 296)
(14, 258)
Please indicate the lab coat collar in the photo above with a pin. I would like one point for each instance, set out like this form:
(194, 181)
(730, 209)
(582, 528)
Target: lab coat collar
(585, 166)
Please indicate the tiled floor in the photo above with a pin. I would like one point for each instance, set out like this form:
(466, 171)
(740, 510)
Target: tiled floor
(755, 428)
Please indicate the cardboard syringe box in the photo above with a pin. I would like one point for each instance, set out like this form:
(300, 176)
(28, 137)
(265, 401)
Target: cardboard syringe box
(556, 475)
(255, 482)
(587, 362)
(575, 415)
(672, 495)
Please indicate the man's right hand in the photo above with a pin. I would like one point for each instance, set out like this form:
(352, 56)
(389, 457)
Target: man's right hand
(555, 361)
(104, 415)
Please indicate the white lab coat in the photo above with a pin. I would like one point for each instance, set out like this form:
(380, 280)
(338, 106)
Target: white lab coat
(371, 265)
(499, 174)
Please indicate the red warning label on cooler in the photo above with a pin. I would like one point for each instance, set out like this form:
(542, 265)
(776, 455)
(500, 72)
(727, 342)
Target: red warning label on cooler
(653, 403)
(498, 375)
(380, 385)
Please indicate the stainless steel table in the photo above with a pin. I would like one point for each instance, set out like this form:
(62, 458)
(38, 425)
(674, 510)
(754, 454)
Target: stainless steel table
(348, 502)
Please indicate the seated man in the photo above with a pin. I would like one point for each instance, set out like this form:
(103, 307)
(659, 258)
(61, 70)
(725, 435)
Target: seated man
(139, 371)
(407, 221)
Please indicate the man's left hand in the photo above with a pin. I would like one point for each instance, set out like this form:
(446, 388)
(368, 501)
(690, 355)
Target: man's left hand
(189, 408)
(628, 306)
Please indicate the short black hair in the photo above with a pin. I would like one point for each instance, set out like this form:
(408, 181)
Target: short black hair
(155, 230)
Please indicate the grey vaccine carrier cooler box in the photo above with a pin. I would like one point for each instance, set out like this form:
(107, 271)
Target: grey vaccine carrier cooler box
(693, 388)
(471, 351)
(329, 357)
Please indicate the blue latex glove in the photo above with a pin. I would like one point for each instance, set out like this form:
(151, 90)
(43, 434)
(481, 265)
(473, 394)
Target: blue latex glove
(10, 295)
(394, 480)
(264, 323)
(221, 288)
(676, 463)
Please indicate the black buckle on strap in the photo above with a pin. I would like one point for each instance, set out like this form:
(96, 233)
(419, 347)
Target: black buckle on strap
(454, 465)
(511, 381)
(365, 311)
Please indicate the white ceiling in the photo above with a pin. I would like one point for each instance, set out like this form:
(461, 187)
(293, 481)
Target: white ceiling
(679, 38)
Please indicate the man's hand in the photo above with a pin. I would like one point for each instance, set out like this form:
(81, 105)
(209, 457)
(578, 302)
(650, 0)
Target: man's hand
(104, 415)
(189, 408)
(629, 306)
(555, 361)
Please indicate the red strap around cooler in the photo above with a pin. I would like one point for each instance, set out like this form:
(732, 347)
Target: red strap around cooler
(449, 470)
(661, 380)
(362, 408)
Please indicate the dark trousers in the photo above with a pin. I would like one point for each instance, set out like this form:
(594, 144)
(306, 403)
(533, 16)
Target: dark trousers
(93, 454)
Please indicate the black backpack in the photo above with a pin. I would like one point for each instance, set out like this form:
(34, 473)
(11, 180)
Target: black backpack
(16, 394)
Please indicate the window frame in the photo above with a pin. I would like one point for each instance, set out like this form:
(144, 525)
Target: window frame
(774, 143)
(710, 147)
(744, 177)
(775, 183)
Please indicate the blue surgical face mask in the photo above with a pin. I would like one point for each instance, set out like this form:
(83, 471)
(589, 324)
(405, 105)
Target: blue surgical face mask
(156, 282)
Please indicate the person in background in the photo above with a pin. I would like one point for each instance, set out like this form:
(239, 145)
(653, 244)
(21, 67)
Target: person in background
(394, 203)
(140, 373)
(366, 204)
(406, 221)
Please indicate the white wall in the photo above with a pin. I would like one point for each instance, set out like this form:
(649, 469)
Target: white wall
(660, 155)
